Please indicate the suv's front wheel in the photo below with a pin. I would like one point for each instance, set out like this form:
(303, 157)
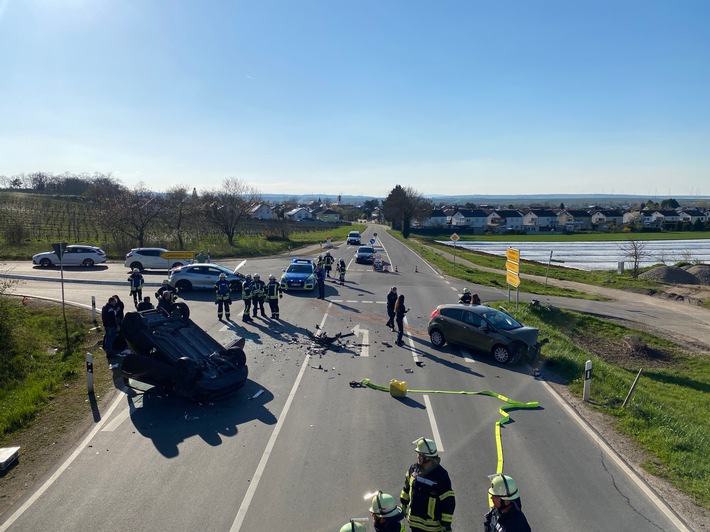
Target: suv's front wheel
(501, 354)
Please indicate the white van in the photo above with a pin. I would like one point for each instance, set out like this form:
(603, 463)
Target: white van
(354, 238)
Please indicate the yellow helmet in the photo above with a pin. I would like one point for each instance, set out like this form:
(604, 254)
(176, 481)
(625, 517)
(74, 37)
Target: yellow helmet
(353, 526)
(504, 487)
(384, 505)
(426, 447)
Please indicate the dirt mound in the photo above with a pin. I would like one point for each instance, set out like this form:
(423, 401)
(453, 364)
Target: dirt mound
(701, 271)
(671, 275)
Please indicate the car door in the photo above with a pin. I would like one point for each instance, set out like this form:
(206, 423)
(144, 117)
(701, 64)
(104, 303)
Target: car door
(210, 276)
(474, 332)
(72, 256)
(451, 324)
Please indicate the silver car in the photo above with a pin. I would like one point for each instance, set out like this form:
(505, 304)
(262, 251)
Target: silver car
(202, 276)
(157, 258)
(74, 255)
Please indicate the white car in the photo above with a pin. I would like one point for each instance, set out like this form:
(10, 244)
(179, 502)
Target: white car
(74, 255)
(153, 258)
(202, 276)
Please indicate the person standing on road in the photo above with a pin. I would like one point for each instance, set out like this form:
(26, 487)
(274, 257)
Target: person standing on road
(506, 515)
(273, 293)
(165, 287)
(111, 325)
(399, 312)
(328, 261)
(145, 304)
(386, 515)
(341, 271)
(166, 303)
(223, 296)
(136, 282)
(258, 291)
(391, 300)
(466, 297)
(320, 280)
(246, 297)
(427, 497)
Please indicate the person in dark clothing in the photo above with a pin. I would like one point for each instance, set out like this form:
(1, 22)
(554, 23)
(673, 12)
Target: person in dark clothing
(506, 515)
(273, 293)
(145, 304)
(320, 280)
(466, 297)
(328, 261)
(166, 303)
(165, 287)
(136, 281)
(399, 312)
(120, 309)
(391, 300)
(111, 326)
(223, 296)
(476, 300)
(386, 515)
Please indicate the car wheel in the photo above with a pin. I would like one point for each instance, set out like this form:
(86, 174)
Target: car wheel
(501, 354)
(181, 309)
(176, 265)
(137, 265)
(437, 338)
(45, 263)
(184, 286)
(88, 263)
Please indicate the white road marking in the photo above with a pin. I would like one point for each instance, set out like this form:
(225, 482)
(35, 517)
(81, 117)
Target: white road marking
(434, 426)
(365, 351)
(81, 447)
(467, 356)
(241, 513)
(351, 301)
(366, 301)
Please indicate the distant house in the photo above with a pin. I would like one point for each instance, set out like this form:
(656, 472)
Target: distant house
(505, 220)
(329, 215)
(691, 216)
(437, 218)
(575, 220)
(263, 212)
(475, 219)
(298, 214)
(605, 218)
(665, 216)
(539, 220)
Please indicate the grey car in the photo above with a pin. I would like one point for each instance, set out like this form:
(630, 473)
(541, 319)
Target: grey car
(484, 329)
(365, 255)
(202, 276)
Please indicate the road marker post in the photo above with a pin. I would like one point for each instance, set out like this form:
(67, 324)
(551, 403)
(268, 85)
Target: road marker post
(587, 380)
(90, 373)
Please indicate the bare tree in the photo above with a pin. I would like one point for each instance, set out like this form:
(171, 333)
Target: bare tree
(635, 251)
(226, 208)
(131, 212)
(178, 207)
(403, 206)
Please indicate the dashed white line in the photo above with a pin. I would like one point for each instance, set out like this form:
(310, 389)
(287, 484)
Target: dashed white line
(434, 426)
(467, 356)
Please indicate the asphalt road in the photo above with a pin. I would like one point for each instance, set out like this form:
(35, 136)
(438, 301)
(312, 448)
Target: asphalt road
(302, 455)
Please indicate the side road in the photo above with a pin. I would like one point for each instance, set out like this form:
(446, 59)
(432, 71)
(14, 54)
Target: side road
(675, 319)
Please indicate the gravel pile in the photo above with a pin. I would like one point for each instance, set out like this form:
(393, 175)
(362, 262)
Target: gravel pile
(701, 271)
(670, 275)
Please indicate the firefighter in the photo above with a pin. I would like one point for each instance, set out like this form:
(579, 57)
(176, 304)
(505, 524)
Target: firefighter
(273, 293)
(506, 514)
(466, 297)
(341, 271)
(223, 296)
(328, 261)
(246, 297)
(258, 293)
(427, 496)
(136, 282)
(353, 526)
(165, 287)
(387, 516)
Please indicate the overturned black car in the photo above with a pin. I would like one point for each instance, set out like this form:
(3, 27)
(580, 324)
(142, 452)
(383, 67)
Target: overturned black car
(175, 355)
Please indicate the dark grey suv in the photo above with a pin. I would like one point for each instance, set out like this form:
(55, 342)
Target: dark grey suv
(484, 329)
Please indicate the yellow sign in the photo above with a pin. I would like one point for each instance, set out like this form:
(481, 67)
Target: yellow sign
(454, 237)
(513, 254)
(513, 279)
(178, 254)
(512, 266)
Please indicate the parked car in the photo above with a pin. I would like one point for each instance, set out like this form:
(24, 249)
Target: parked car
(365, 255)
(175, 355)
(299, 275)
(484, 329)
(353, 238)
(202, 276)
(74, 255)
(156, 258)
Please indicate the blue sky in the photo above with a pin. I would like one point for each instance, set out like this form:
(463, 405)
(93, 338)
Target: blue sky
(357, 96)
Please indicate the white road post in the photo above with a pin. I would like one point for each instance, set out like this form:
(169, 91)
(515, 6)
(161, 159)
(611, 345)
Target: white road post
(90, 372)
(587, 379)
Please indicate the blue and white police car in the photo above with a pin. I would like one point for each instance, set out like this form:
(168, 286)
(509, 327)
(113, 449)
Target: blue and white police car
(299, 275)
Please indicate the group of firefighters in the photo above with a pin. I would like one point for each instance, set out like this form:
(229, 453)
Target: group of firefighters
(253, 291)
(427, 500)
(327, 262)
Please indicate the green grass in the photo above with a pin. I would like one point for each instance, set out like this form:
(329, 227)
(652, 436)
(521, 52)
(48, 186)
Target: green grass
(666, 413)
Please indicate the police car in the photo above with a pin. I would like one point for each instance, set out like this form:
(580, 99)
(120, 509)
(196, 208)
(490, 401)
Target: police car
(299, 275)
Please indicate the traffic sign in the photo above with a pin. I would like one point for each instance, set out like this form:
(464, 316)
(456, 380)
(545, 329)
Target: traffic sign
(512, 279)
(178, 254)
(372, 241)
(455, 237)
(513, 254)
(512, 266)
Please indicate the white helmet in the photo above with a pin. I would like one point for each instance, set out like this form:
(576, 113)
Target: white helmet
(257, 276)
(504, 487)
(272, 277)
(426, 447)
(222, 275)
(136, 270)
(466, 290)
(384, 505)
(353, 526)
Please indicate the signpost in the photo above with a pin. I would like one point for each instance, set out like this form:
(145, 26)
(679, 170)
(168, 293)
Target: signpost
(512, 267)
(454, 239)
(59, 248)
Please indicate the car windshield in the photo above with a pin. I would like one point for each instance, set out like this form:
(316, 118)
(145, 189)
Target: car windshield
(501, 320)
(300, 268)
(366, 250)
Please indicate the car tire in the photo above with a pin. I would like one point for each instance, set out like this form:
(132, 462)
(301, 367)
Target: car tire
(137, 265)
(182, 310)
(45, 263)
(437, 338)
(237, 356)
(88, 263)
(501, 354)
(176, 265)
(184, 286)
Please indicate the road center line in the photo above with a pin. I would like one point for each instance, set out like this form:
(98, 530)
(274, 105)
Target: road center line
(432, 422)
(246, 502)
